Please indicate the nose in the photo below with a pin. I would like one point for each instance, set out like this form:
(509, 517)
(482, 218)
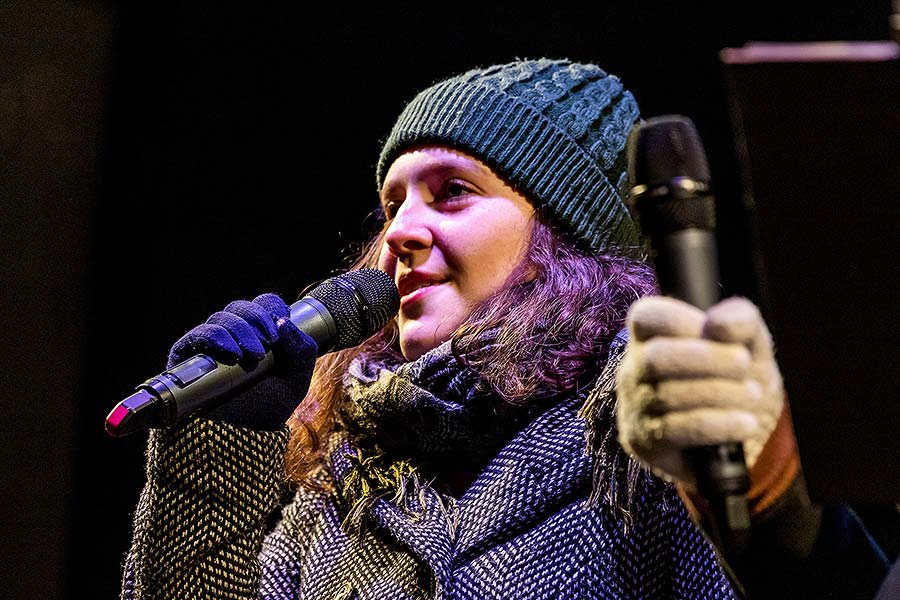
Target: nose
(409, 230)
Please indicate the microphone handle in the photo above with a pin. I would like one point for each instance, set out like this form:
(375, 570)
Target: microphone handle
(687, 269)
(201, 381)
(179, 392)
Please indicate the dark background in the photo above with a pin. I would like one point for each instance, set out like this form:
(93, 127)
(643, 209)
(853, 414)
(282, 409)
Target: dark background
(158, 160)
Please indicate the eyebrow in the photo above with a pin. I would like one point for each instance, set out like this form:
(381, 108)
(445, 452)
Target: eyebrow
(439, 169)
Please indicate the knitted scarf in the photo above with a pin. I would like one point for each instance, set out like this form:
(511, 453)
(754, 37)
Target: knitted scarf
(400, 416)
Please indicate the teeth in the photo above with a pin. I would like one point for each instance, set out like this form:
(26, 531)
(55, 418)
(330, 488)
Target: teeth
(419, 286)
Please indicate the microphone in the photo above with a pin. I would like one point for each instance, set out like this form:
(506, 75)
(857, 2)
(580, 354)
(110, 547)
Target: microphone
(674, 204)
(338, 313)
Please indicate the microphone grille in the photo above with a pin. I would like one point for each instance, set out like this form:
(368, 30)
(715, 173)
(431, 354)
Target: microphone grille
(665, 148)
(670, 177)
(361, 302)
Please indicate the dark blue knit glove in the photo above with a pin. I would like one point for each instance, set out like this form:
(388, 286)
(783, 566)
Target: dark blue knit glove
(241, 333)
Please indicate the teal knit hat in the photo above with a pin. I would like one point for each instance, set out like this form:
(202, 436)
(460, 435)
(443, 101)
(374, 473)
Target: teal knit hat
(553, 129)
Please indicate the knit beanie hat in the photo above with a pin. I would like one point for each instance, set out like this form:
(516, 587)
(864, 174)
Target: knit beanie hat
(553, 129)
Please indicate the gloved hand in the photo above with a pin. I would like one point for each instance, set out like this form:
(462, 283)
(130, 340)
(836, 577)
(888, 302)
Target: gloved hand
(694, 378)
(241, 333)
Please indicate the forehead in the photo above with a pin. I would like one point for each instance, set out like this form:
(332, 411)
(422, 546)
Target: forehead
(422, 163)
(426, 159)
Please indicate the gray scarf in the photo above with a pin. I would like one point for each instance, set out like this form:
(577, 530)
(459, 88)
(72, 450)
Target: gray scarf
(398, 417)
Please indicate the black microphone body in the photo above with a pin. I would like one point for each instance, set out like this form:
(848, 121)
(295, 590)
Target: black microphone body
(675, 207)
(339, 313)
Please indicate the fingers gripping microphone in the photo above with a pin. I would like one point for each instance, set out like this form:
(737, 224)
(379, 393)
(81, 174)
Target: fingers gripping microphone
(338, 313)
(672, 199)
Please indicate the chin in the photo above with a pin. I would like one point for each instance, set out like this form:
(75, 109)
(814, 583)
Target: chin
(412, 351)
(414, 344)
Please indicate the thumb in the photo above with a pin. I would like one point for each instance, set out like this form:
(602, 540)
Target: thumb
(296, 350)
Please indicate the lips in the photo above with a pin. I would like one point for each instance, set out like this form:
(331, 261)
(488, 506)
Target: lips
(412, 281)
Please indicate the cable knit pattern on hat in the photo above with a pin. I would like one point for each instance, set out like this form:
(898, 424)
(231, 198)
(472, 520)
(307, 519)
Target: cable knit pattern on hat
(554, 129)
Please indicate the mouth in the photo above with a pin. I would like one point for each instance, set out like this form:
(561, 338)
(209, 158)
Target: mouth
(414, 286)
(416, 295)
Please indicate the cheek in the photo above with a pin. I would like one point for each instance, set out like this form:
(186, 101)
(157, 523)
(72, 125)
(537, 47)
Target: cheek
(491, 257)
(509, 245)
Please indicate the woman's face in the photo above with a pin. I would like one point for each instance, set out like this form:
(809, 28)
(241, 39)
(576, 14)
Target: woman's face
(455, 232)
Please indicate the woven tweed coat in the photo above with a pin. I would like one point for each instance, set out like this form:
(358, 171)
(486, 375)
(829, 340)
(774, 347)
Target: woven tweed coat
(522, 531)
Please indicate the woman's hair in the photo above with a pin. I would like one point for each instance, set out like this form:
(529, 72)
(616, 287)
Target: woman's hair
(554, 318)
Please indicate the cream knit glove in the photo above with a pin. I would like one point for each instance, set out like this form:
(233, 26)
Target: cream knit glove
(694, 378)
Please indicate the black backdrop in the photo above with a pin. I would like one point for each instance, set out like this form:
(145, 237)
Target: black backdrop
(160, 160)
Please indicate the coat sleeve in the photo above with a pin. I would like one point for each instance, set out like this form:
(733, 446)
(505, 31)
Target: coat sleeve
(796, 547)
(202, 514)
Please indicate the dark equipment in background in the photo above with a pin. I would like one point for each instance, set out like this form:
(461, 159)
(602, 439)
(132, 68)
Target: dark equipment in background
(817, 131)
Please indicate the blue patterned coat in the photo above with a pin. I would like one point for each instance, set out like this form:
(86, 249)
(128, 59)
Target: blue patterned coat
(524, 530)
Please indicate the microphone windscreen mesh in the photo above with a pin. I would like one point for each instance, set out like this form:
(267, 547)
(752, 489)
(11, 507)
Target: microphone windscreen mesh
(665, 148)
(361, 302)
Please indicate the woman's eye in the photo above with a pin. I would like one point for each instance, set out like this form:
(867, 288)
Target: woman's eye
(390, 209)
(456, 188)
